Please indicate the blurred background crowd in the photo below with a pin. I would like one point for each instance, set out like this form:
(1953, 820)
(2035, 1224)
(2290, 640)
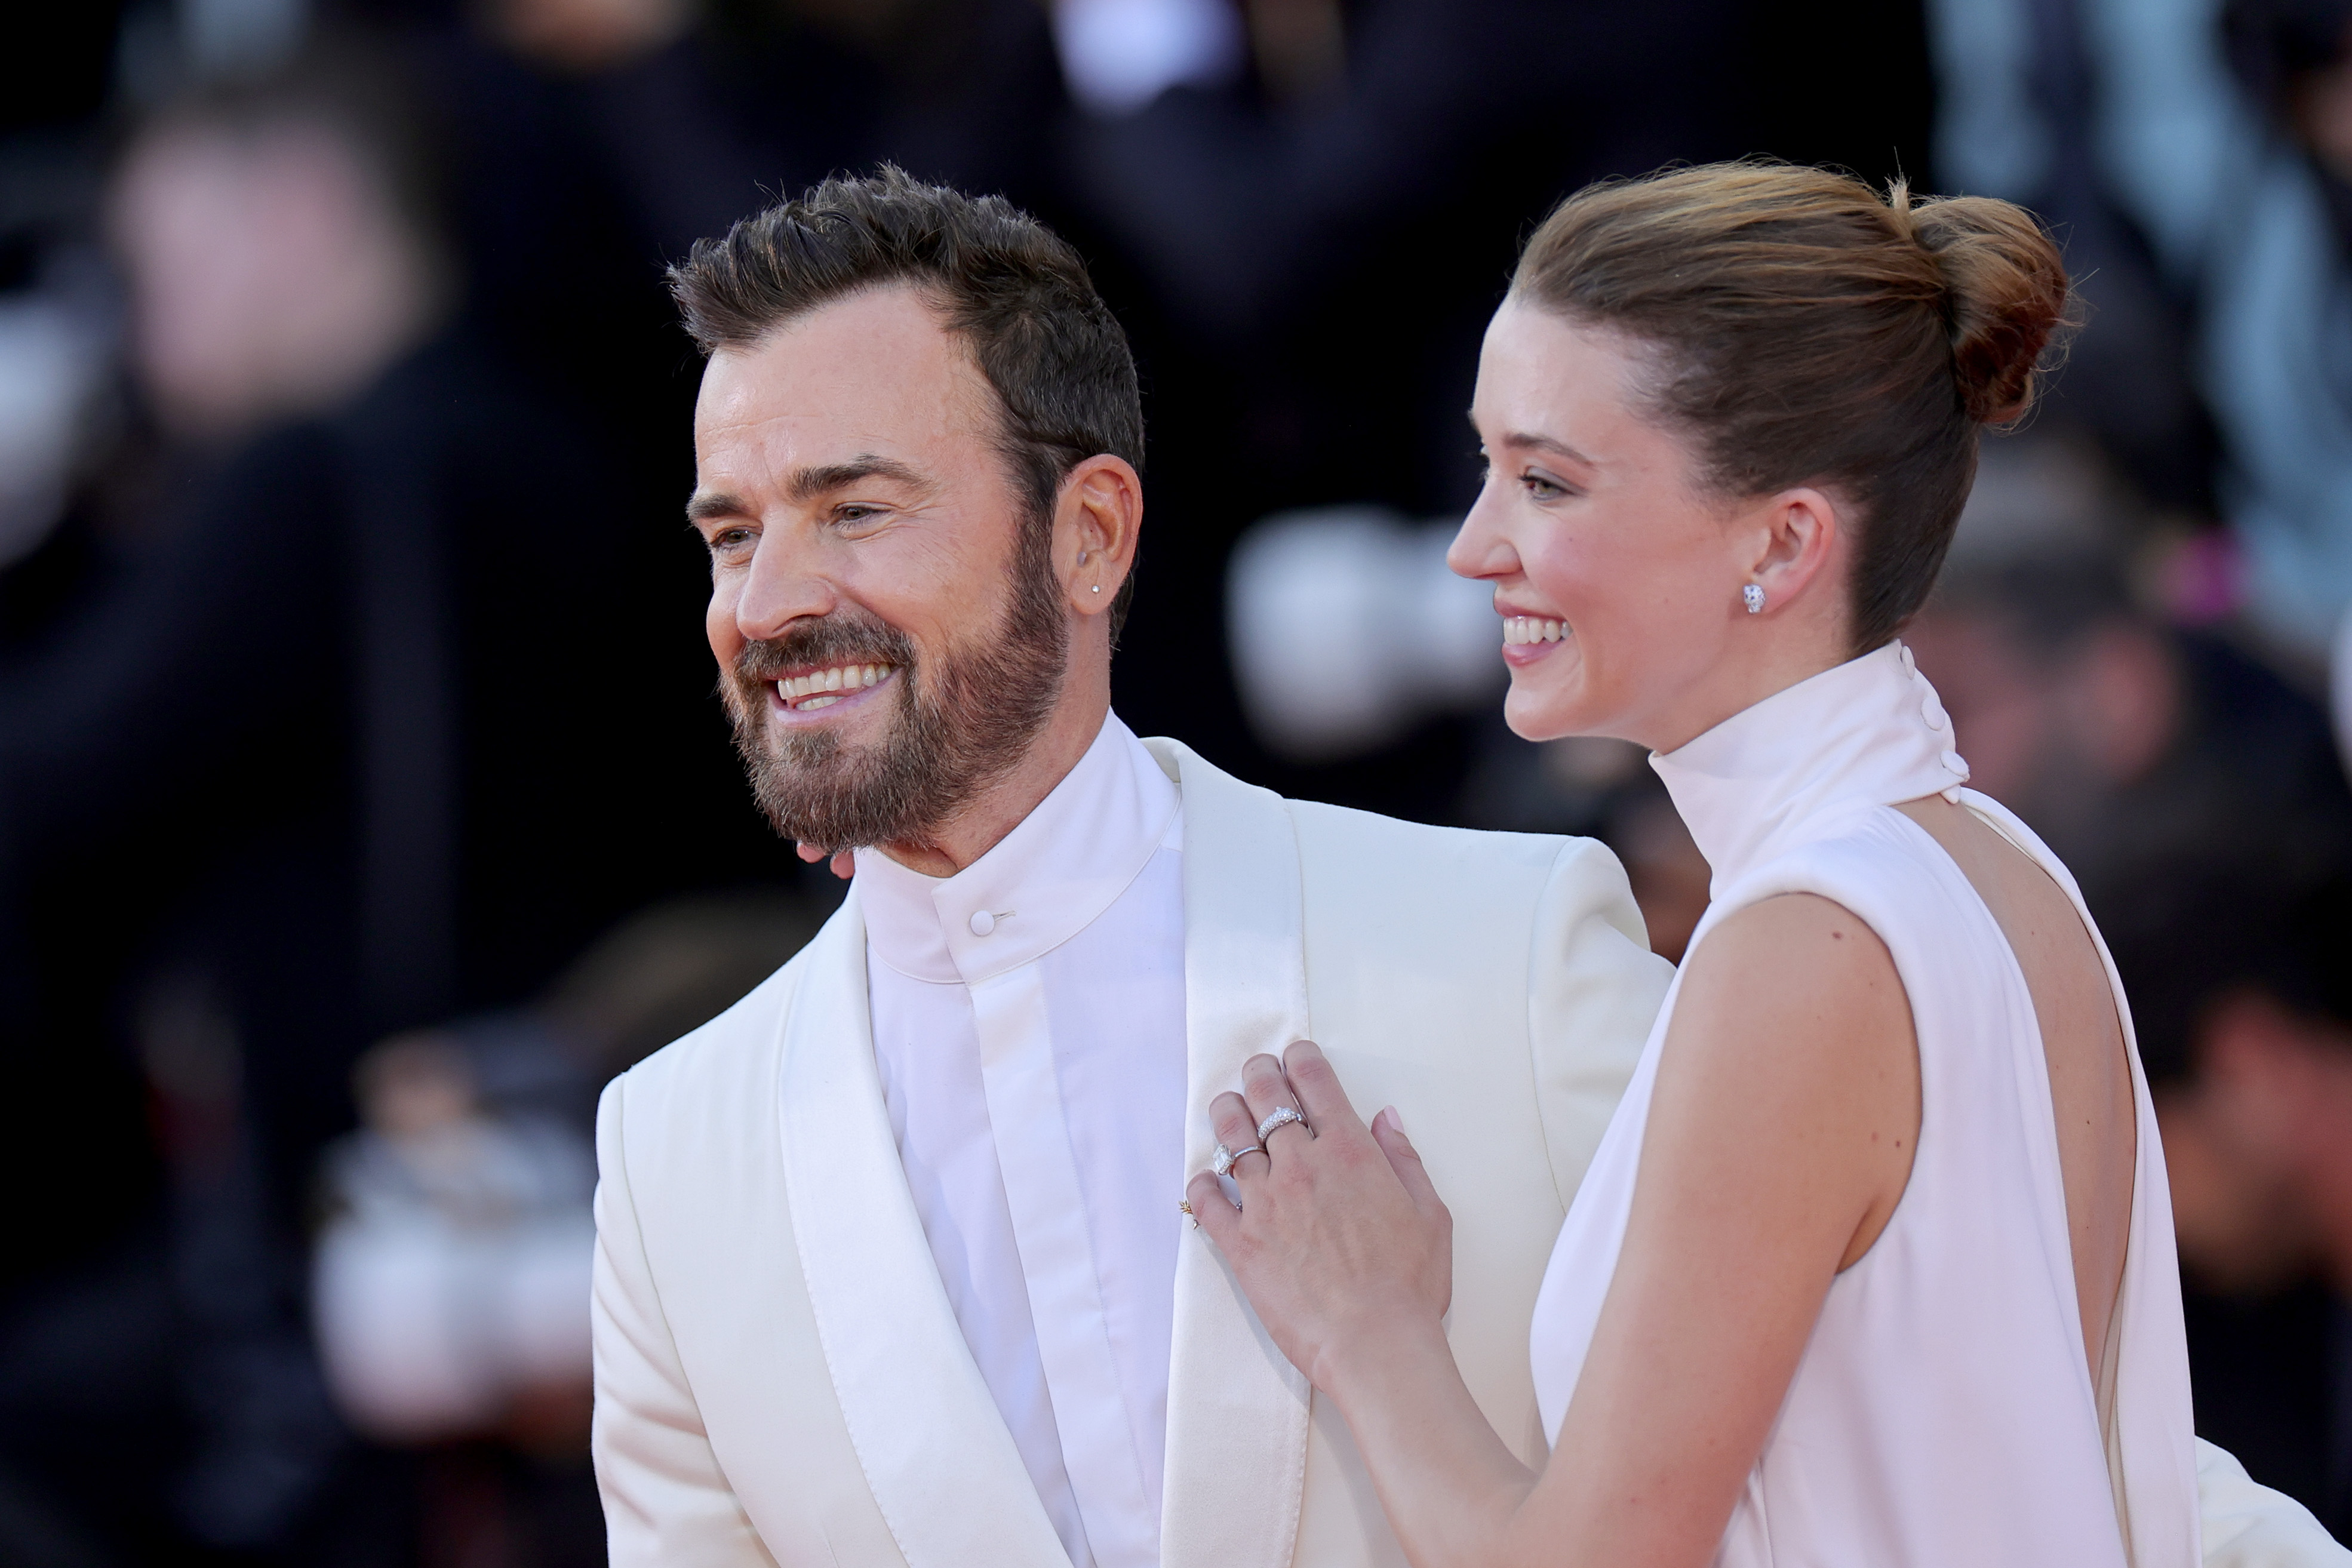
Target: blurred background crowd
(364, 804)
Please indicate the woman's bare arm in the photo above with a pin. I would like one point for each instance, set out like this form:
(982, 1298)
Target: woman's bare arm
(1779, 1141)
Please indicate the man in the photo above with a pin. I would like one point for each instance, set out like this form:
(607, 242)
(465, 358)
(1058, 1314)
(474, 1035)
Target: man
(890, 1269)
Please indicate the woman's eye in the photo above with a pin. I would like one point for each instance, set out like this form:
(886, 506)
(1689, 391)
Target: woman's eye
(1542, 489)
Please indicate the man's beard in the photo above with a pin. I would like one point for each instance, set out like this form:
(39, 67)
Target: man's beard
(959, 724)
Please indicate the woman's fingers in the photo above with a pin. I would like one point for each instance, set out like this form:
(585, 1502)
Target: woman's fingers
(1388, 1131)
(842, 863)
(1269, 1091)
(1310, 1077)
(1213, 1210)
(1236, 1128)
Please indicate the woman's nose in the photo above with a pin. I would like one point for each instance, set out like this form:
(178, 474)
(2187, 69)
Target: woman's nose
(1480, 550)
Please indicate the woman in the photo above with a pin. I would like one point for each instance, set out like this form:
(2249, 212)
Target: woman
(1873, 1266)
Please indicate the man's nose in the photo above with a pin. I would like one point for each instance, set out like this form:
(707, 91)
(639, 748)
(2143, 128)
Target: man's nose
(784, 585)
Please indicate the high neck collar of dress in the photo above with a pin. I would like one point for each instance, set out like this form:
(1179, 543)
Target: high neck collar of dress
(1868, 733)
(1041, 884)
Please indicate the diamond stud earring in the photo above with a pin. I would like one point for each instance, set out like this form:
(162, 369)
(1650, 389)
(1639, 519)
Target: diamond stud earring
(1753, 597)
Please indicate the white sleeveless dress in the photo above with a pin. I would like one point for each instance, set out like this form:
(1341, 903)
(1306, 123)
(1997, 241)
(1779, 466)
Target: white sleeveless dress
(1942, 1416)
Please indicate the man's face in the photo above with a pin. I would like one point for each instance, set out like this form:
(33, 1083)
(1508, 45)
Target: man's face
(888, 630)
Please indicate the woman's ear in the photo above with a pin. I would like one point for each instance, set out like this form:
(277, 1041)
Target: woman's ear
(1798, 534)
(1095, 530)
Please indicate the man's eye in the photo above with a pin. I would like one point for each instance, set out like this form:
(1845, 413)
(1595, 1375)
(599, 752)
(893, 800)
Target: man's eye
(856, 512)
(730, 541)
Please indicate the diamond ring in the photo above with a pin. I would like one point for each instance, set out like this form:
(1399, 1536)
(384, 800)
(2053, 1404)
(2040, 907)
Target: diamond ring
(1224, 1163)
(1281, 1116)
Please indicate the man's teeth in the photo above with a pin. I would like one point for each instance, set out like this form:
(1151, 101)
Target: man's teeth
(1518, 629)
(818, 688)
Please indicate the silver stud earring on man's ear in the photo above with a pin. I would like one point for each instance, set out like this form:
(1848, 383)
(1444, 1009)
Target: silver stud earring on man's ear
(1753, 597)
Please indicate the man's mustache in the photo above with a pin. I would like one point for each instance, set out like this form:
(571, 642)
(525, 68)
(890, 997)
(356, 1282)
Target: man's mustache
(833, 641)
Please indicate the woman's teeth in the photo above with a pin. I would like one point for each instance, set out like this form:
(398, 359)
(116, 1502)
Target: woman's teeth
(1518, 630)
(824, 688)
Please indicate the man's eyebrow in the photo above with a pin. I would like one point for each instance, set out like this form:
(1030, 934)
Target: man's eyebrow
(807, 484)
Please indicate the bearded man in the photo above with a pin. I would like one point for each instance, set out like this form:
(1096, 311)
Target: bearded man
(890, 1266)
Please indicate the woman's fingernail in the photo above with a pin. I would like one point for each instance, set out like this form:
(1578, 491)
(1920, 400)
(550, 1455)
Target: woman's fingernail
(1396, 1122)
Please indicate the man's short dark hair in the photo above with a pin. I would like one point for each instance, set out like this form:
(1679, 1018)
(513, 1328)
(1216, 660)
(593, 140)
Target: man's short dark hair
(1015, 291)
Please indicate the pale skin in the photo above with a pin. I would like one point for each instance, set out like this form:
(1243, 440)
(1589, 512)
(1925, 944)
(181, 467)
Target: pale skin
(847, 459)
(1787, 1102)
(270, 276)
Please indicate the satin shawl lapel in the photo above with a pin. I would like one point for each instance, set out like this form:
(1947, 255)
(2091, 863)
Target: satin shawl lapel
(935, 1449)
(1238, 1412)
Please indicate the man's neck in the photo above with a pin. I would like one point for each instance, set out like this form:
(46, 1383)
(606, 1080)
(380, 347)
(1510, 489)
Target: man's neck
(973, 832)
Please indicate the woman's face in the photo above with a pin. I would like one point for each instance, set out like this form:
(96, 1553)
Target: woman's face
(1617, 579)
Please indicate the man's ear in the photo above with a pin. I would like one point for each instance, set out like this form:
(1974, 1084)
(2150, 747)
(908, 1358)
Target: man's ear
(1095, 524)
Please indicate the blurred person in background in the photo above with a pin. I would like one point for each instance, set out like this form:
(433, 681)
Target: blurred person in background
(162, 856)
(2130, 742)
(283, 772)
(2246, 994)
(2192, 155)
(594, 140)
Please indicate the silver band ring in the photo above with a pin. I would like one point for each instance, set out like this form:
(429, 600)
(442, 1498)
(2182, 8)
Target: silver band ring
(1280, 1116)
(1223, 1164)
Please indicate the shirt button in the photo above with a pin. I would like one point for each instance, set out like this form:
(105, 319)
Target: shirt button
(1933, 712)
(982, 922)
(1955, 763)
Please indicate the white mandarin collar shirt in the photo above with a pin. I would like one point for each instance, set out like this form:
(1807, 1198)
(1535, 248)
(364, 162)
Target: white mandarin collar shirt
(1029, 1029)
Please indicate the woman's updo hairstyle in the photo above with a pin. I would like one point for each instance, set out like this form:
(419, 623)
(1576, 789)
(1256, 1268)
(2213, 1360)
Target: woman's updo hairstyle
(1806, 331)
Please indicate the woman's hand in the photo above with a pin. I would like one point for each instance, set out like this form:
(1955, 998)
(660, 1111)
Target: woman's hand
(1340, 1241)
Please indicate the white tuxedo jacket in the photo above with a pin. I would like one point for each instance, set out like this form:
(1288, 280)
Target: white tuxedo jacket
(780, 1378)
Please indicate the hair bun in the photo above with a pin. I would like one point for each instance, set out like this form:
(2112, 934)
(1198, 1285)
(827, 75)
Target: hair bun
(2005, 290)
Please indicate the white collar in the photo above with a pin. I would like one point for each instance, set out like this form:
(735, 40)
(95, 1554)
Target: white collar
(1041, 884)
(1868, 733)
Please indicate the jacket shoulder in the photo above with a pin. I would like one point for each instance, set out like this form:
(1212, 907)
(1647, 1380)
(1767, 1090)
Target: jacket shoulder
(1446, 866)
(1369, 829)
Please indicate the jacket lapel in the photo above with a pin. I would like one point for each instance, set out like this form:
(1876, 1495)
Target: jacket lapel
(1238, 1412)
(943, 1467)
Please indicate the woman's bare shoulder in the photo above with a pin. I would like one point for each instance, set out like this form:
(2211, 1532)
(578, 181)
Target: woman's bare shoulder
(1791, 1067)
(1805, 948)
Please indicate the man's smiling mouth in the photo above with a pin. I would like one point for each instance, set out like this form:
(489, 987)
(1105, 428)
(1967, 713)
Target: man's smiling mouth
(814, 689)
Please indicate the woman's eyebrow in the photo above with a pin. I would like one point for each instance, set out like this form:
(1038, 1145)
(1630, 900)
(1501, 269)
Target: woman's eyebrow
(1546, 443)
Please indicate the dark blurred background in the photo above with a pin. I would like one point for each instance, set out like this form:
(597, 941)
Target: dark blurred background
(364, 804)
